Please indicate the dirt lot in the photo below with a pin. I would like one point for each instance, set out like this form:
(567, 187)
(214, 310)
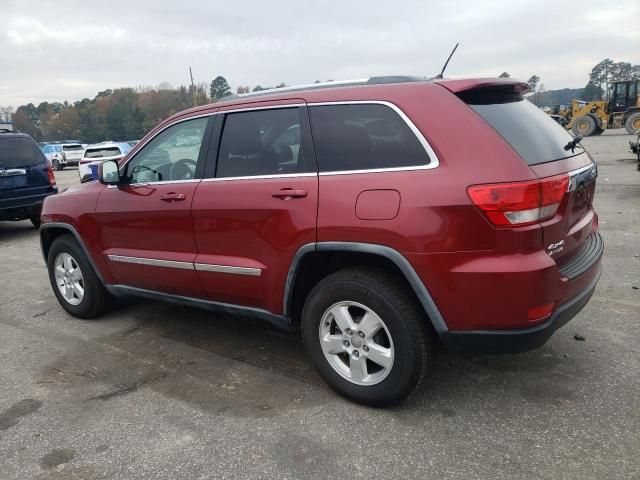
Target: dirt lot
(159, 391)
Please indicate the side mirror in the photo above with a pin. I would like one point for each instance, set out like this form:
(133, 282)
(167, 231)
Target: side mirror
(108, 173)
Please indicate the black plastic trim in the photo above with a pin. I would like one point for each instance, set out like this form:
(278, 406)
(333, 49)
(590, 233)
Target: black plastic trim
(70, 228)
(276, 320)
(396, 257)
(583, 259)
(519, 340)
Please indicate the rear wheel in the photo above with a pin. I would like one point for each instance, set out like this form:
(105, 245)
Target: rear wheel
(632, 125)
(366, 336)
(55, 164)
(35, 221)
(585, 126)
(73, 280)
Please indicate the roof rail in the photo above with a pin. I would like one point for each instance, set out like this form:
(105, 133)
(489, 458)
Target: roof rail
(333, 84)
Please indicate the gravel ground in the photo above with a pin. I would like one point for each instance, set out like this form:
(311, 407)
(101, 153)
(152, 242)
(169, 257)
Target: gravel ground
(158, 391)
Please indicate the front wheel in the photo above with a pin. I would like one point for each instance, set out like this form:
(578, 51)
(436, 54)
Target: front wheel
(73, 280)
(632, 125)
(585, 126)
(56, 165)
(367, 336)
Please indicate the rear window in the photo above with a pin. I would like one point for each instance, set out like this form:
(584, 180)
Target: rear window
(102, 152)
(72, 148)
(362, 137)
(19, 152)
(532, 133)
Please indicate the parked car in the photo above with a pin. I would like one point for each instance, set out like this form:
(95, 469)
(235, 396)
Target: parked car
(362, 216)
(26, 178)
(72, 154)
(54, 154)
(93, 155)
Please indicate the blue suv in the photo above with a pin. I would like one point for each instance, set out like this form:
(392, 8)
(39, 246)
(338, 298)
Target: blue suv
(26, 178)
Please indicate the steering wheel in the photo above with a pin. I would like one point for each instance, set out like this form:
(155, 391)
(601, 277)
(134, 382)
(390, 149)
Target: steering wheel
(183, 169)
(143, 168)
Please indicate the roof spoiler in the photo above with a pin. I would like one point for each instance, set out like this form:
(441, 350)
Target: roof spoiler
(506, 84)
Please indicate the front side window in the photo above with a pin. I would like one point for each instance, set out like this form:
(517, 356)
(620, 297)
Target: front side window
(171, 156)
(362, 137)
(261, 142)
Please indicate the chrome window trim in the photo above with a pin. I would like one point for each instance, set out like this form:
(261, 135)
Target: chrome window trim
(263, 107)
(167, 182)
(261, 177)
(176, 122)
(208, 267)
(151, 262)
(434, 161)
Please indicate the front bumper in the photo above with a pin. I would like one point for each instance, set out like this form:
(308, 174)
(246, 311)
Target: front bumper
(518, 340)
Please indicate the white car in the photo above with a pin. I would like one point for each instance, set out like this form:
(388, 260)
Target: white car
(98, 153)
(73, 152)
(54, 154)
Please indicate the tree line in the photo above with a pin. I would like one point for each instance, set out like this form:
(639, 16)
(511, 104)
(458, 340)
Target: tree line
(119, 114)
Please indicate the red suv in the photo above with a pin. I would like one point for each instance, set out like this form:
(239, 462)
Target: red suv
(373, 216)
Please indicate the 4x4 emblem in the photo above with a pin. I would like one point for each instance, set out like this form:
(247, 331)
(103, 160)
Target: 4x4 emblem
(554, 248)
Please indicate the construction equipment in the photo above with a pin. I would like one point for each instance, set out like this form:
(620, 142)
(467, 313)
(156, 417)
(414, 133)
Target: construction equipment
(622, 110)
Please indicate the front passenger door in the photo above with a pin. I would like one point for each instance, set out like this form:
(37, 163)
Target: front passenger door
(146, 225)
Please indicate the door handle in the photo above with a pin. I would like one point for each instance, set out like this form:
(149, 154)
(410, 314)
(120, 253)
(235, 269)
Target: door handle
(289, 193)
(173, 197)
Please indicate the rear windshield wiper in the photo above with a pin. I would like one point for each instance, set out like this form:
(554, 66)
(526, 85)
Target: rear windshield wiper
(573, 143)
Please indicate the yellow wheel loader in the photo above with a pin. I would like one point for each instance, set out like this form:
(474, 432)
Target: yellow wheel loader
(622, 110)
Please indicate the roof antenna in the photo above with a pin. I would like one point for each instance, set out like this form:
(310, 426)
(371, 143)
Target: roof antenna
(439, 76)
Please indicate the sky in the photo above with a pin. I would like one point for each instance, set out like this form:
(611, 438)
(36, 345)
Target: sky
(68, 50)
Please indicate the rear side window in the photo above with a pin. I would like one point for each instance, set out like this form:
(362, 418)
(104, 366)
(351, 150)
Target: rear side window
(102, 152)
(19, 152)
(262, 142)
(532, 133)
(363, 136)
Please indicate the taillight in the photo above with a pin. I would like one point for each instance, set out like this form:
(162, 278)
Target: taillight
(520, 203)
(52, 178)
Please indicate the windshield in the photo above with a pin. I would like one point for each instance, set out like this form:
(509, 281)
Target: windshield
(19, 152)
(533, 134)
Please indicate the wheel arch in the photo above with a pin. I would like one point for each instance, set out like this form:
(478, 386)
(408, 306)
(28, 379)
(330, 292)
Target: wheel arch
(314, 261)
(52, 230)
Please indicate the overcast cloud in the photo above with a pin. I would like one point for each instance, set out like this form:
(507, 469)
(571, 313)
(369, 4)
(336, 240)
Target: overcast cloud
(68, 50)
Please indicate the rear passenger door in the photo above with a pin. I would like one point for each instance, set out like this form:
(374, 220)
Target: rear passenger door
(257, 204)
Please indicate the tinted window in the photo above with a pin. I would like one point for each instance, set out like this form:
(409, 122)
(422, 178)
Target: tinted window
(19, 152)
(72, 148)
(359, 137)
(262, 142)
(533, 134)
(102, 152)
(171, 155)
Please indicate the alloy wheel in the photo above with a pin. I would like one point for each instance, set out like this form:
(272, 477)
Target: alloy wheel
(69, 278)
(356, 343)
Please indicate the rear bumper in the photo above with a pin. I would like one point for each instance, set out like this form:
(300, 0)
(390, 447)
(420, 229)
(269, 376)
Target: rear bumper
(519, 340)
(21, 208)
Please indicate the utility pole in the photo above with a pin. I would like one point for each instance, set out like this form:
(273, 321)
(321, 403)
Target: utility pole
(193, 88)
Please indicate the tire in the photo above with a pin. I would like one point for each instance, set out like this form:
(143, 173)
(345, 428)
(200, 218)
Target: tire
(598, 131)
(402, 334)
(55, 164)
(585, 125)
(632, 125)
(35, 221)
(95, 299)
